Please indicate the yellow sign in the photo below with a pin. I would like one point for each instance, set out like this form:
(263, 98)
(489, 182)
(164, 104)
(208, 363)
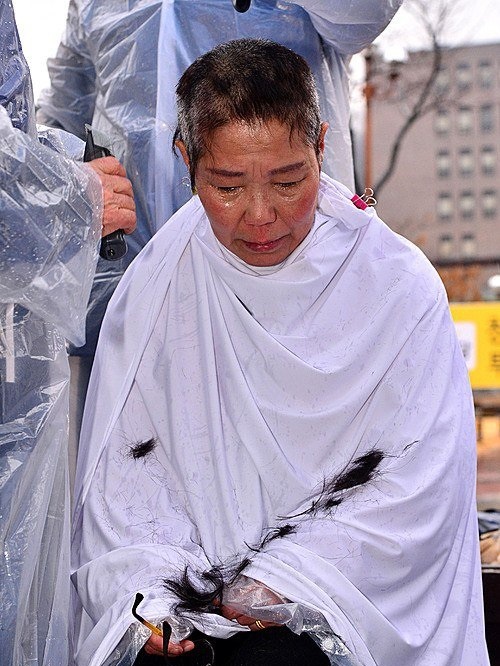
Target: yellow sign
(478, 329)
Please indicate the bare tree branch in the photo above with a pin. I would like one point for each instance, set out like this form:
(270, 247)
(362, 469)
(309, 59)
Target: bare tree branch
(416, 112)
(433, 17)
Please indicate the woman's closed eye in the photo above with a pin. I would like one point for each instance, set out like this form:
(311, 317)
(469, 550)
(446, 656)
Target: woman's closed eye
(228, 189)
(288, 185)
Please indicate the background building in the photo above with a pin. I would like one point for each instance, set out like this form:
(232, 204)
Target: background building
(444, 193)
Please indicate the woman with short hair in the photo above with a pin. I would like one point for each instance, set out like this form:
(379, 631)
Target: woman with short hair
(278, 447)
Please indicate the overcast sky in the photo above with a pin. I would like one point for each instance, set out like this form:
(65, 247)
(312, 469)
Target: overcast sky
(41, 24)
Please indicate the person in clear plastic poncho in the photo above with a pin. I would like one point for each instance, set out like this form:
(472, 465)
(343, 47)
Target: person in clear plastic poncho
(51, 213)
(118, 64)
(278, 445)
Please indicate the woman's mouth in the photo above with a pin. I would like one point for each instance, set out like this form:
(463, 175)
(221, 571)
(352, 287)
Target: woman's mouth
(267, 246)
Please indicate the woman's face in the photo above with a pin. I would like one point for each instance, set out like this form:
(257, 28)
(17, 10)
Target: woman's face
(259, 188)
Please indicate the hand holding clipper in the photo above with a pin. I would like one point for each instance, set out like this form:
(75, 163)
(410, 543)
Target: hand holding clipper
(113, 245)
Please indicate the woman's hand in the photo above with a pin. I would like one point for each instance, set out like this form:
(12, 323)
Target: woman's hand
(246, 620)
(154, 646)
(241, 596)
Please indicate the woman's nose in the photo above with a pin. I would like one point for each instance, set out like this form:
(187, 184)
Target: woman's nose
(259, 210)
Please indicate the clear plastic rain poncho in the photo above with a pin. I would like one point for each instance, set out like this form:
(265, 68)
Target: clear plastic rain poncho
(50, 212)
(118, 65)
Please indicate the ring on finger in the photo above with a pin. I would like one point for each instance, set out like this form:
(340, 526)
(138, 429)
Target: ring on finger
(259, 624)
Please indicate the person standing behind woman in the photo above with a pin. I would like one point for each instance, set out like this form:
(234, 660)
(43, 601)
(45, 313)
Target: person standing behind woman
(278, 446)
(117, 67)
(53, 212)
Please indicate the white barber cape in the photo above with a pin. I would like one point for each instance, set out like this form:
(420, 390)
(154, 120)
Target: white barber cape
(255, 385)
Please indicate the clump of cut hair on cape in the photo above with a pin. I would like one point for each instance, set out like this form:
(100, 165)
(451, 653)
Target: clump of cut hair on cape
(203, 591)
(206, 594)
(356, 473)
(142, 449)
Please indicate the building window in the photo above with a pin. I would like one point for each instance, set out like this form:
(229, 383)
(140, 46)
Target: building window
(488, 160)
(468, 245)
(485, 74)
(489, 201)
(442, 122)
(466, 204)
(464, 119)
(486, 120)
(465, 162)
(445, 248)
(444, 206)
(443, 163)
(442, 81)
(464, 75)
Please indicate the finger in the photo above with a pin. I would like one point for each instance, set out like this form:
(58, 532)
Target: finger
(233, 614)
(229, 613)
(124, 201)
(113, 200)
(113, 212)
(115, 185)
(119, 213)
(245, 620)
(121, 185)
(187, 645)
(154, 646)
(257, 626)
(129, 222)
(107, 165)
(176, 649)
(119, 219)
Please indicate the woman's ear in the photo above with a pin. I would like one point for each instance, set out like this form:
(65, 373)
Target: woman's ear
(321, 142)
(182, 149)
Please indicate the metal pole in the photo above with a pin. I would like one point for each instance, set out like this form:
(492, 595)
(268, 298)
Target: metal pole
(369, 90)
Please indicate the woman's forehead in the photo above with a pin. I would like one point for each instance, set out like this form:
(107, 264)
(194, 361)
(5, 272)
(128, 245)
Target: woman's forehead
(241, 135)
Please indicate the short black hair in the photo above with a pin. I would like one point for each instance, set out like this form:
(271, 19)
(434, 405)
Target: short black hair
(248, 80)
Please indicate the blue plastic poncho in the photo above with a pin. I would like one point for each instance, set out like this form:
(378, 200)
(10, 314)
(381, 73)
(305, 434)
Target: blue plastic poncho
(50, 212)
(118, 65)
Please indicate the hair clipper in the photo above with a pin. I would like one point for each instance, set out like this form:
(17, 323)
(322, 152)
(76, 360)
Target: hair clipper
(114, 245)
